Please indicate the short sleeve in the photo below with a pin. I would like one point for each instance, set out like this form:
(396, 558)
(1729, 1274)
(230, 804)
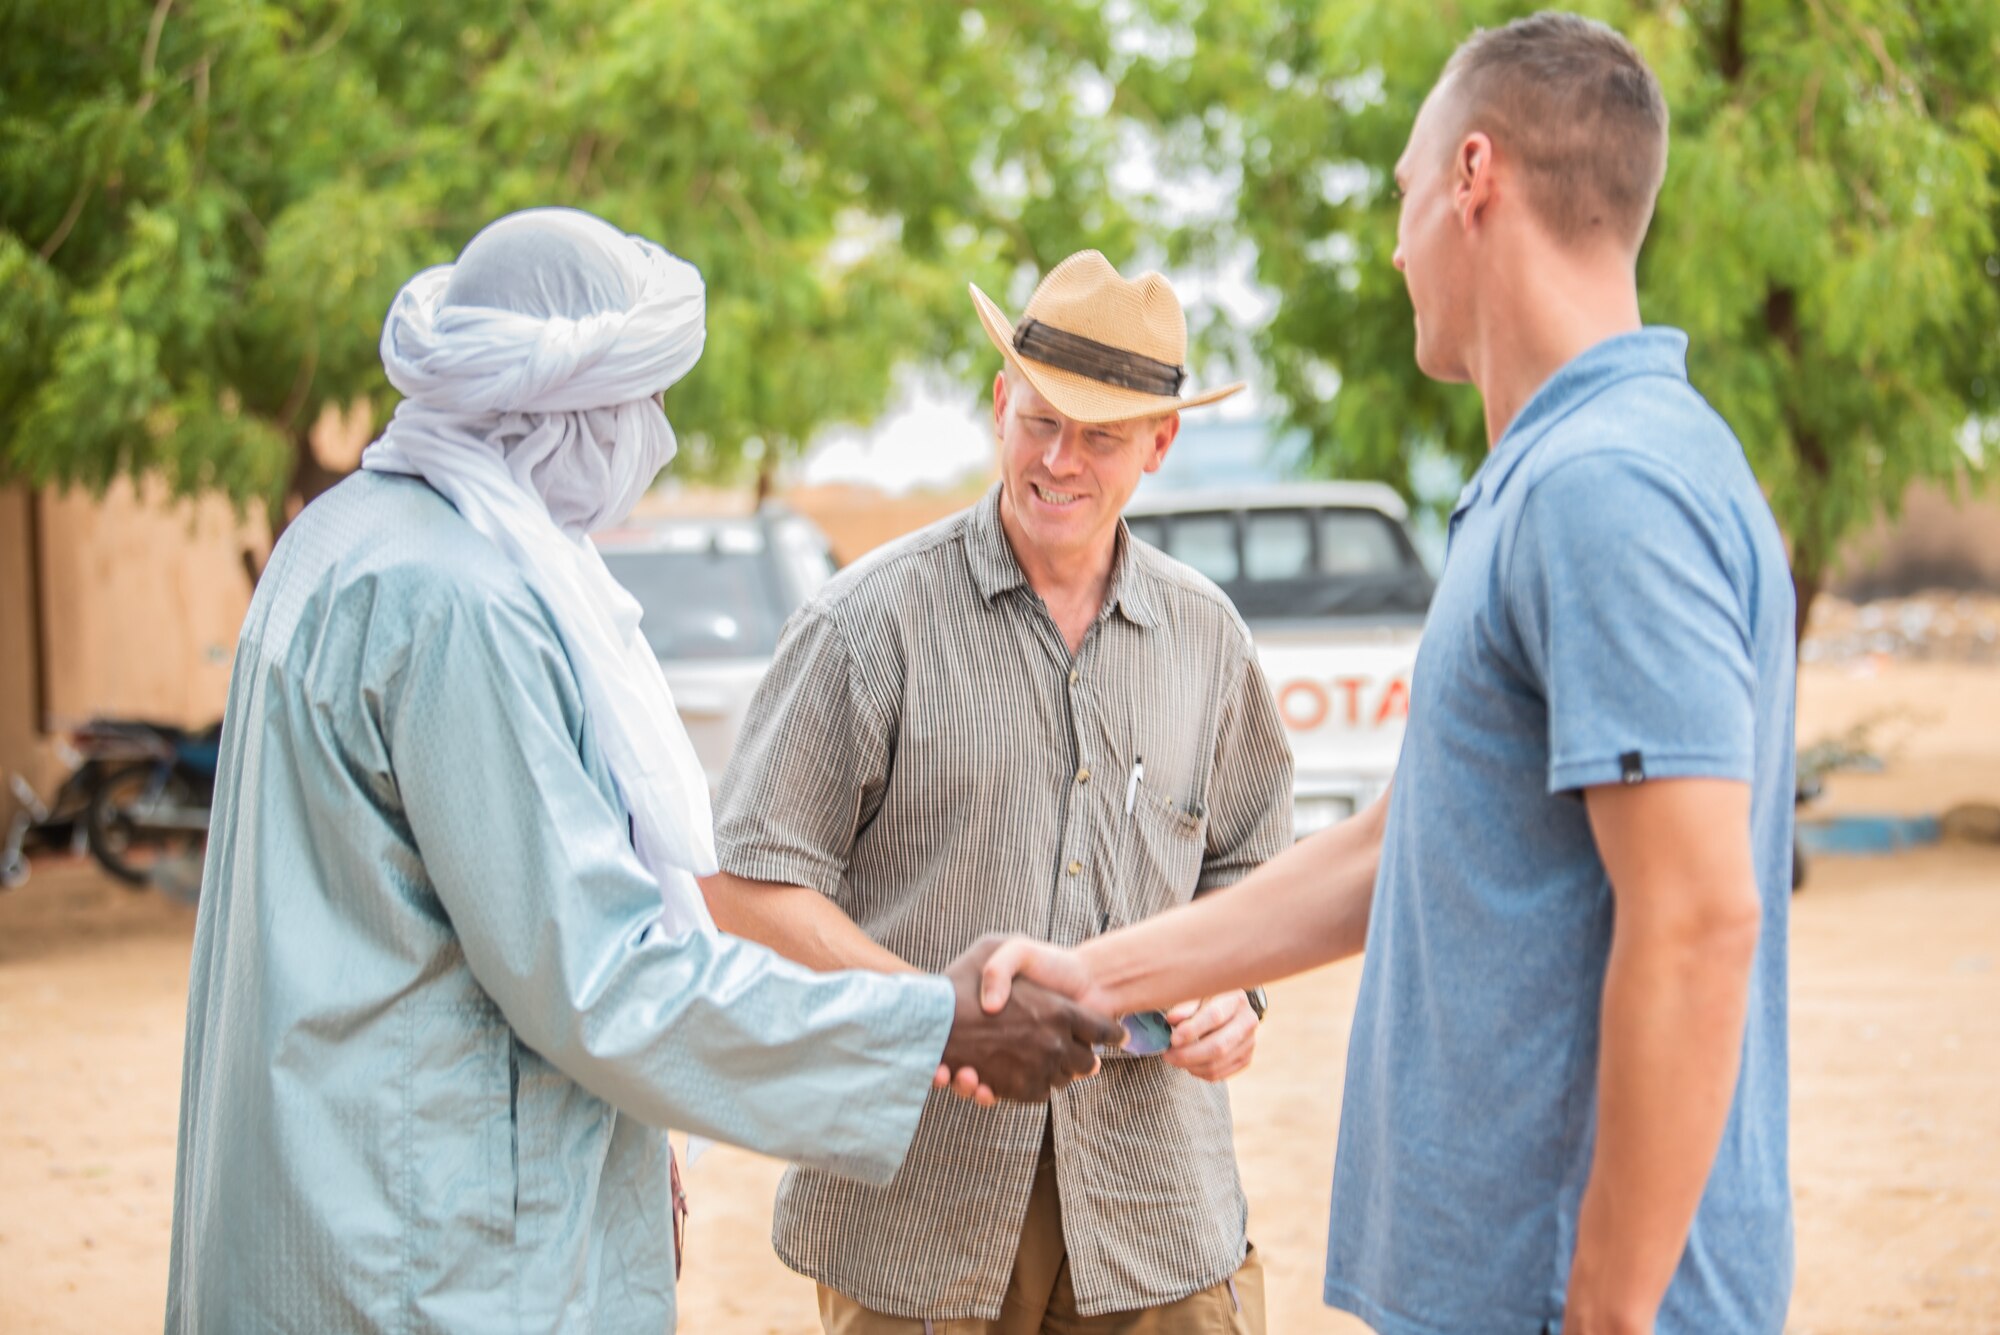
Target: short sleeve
(1250, 787)
(809, 766)
(1624, 593)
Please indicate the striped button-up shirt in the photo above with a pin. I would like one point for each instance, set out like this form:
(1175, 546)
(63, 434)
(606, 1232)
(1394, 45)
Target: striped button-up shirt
(927, 753)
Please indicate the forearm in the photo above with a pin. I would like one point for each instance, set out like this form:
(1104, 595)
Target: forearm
(798, 922)
(1306, 907)
(704, 1033)
(722, 1038)
(1671, 1044)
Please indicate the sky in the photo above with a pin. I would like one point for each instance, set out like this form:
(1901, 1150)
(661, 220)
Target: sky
(936, 434)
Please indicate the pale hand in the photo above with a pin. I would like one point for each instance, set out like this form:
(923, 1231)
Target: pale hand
(1032, 1042)
(1056, 969)
(1213, 1039)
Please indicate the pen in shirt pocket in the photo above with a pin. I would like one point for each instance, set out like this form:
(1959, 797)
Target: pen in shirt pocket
(1132, 783)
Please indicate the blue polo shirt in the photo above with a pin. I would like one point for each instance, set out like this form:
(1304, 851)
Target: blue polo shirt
(1615, 607)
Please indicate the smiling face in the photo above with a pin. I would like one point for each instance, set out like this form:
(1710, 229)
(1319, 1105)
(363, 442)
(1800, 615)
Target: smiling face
(1432, 248)
(1065, 482)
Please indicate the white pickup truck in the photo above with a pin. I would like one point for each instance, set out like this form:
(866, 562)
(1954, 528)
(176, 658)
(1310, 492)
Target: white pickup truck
(716, 593)
(1324, 573)
(1334, 594)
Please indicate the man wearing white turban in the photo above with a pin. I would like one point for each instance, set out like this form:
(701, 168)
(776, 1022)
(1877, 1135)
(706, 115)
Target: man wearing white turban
(452, 975)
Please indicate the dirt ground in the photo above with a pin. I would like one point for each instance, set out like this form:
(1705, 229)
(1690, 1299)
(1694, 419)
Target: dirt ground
(1896, 1077)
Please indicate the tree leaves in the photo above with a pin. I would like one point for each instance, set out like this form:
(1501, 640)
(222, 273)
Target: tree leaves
(241, 187)
(1826, 234)
(229, 192)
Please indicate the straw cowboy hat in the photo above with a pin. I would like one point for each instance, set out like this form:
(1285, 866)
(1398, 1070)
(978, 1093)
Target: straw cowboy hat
(1097, 347)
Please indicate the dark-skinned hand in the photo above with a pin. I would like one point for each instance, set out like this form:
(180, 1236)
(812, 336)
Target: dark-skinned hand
(1036, 1044)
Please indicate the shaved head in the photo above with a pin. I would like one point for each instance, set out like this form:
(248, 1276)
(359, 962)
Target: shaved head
(1581, 117)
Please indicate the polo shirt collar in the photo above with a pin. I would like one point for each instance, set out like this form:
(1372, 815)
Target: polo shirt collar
(1654, 350)
(995, 569)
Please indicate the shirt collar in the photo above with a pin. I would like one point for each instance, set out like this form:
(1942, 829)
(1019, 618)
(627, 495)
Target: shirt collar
(1654, 350)
(995, 569)
(1131, 591)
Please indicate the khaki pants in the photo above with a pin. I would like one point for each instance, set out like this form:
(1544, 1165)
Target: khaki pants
(1040, 1300)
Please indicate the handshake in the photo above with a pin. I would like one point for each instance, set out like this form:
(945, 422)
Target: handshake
(1031, 1018)
(1019, 1038)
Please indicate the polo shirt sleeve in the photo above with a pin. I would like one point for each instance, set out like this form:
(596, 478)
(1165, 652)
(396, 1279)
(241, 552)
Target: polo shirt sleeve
(1630, 607)
(810, 763)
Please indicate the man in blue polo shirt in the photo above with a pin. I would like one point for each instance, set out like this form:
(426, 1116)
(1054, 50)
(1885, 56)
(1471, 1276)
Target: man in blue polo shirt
(1566, 1086)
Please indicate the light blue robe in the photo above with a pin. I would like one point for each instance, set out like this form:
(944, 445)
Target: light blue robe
(431, 1041)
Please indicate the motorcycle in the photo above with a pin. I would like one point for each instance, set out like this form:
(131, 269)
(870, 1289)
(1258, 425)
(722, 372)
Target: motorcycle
(148, 818)
(55, 826)
(137, 797)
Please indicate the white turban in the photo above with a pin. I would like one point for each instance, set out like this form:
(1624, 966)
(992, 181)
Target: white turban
(531, 367)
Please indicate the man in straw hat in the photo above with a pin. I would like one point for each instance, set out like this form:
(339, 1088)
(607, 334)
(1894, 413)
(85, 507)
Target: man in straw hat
(1565, 1103)
(1022, 719)
(452, 972)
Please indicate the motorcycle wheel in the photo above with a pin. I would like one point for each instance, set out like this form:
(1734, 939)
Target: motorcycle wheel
(116, 823)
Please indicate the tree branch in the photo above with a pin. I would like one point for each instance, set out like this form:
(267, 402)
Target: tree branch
(333, 34)
(301, 383)
(579, 160)
(201, 114)
(1892, 75)
(63, 228)
(733, 200)
(309, 479)
(1807, 109)
(149, 58)
(1730, 59)
(1809, 562)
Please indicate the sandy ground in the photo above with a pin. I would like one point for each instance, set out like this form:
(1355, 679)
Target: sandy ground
(1896, 1077)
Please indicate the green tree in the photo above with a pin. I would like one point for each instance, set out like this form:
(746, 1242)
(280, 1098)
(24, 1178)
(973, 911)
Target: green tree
(206, 208)
(1827, 232)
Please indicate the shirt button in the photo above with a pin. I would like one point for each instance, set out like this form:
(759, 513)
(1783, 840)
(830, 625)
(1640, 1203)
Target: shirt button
(1074, 676)
(1083, 776)
(1075, 868)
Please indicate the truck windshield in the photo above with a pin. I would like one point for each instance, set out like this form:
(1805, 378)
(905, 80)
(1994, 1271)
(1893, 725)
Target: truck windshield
(704, 604)
(1280, 564)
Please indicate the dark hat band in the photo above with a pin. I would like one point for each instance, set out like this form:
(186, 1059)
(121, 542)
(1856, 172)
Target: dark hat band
(1097, 361)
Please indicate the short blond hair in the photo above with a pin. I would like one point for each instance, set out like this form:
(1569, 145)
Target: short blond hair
(1574, 104)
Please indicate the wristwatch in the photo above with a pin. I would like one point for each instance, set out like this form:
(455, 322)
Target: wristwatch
(1259, 1003)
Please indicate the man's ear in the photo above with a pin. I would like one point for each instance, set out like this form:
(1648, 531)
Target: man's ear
(1472, 179)
(999, 401)
(1165, 429)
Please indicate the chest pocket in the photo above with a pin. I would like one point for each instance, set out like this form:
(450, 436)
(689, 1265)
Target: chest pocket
(1159, 855)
